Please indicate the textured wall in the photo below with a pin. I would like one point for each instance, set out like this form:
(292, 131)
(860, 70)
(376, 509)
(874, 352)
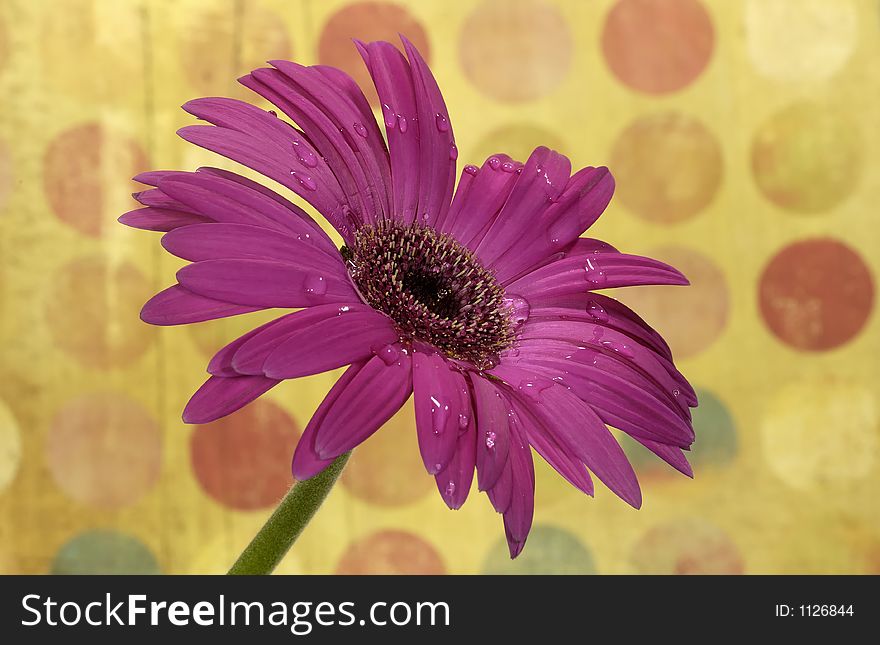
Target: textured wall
(744, 138)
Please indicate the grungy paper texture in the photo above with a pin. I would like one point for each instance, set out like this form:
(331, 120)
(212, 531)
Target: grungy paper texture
(745, 144)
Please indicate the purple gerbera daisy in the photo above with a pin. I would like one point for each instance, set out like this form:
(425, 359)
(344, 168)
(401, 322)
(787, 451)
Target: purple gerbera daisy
(481, 304)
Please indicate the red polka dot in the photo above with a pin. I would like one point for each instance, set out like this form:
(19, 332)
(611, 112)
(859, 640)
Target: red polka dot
(243, 460)
(367, 21)
(92, 311)
(86, 172)
(687, 547)
(104, 449)
(816, 294)
(391, 552)
(386, 469)
(657, 46)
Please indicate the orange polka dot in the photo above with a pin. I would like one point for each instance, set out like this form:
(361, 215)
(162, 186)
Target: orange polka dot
(220, 44)
(86, 172)
(391, 552)
(816, 294)
(387, 469)
(668, 167)
(92, 309)
(657, 46)
(243, 460)
(367, 21)
(518, 141)
(807, 158)
(689, 318)
(104, 449)
(687, 547)
(515, 50)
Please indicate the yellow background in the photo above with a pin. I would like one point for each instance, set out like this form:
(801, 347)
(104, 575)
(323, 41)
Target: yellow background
(772, 141)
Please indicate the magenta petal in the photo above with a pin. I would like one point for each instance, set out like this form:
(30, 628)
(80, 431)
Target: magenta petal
(543, 442)
(179, 306)
(454, 481)
(341, 335)
(262, 283)
(502, 490)
(243, 241)
(153, 177)
(672, 455)
(575, 426)
(493, 439)
(306, 461)
(159, 219)
(220, 396)
(437, 398)
(221, 363)
(543, 177)
(393, 79)
(578, 274)
(473, 213)
(372, 397)
(520, 511)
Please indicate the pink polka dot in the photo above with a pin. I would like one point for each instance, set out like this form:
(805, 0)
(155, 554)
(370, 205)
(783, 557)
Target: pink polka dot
(391, 552)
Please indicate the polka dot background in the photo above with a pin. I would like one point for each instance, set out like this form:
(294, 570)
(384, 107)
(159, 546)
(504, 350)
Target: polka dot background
(744, 143)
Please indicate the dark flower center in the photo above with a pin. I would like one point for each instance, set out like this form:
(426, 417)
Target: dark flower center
(433, 288)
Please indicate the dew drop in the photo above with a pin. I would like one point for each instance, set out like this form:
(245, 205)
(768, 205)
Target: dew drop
(306, 157)
(490, 439)
(316, 285)
(304, 180)
(594, 274)
(532, 388)
(273, 113)
(494, 163)
(618, 348)
(676, 392)
(463, 421)
(401, 123)
(389, 354)
(596, 311)
(471, 169)
(442, 123)
(389, 116)
(450, 489)
(453, 151)
(518, 309)
(508, 166)
(360, 129)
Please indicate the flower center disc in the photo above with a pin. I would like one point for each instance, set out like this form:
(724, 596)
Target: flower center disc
(433, 288)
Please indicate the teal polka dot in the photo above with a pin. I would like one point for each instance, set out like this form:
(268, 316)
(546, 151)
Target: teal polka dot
(104, 553)
(716, 442)
(549, 550)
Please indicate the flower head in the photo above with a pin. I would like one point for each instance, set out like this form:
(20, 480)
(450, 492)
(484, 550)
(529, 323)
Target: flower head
(482, 304)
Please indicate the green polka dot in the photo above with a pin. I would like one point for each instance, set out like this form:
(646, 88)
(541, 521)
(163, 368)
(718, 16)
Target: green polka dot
(104, 553)
(549, 550)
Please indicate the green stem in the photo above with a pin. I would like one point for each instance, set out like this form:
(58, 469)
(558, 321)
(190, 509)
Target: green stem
(281, 530)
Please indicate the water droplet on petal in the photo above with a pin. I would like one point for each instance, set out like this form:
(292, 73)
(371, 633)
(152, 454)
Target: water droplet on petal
(304, 180)
(273, 113)
(533, 387)
(596, 311)
(401, 123)
(442, 123)
(316, 285)
(360, 129)
(306, 157)
(676, 392)
(518, 310)
(463, 421)
(508, 166)
(389, 354)
(389, 116)
(344, 309)
(490, 439)
(471, 169)
(453, 151)
(618, 348)
(494, 163)
(594, 274)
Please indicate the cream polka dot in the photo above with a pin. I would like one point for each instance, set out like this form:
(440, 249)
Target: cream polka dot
(821, 433)
(10, 446)
(795, 40)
